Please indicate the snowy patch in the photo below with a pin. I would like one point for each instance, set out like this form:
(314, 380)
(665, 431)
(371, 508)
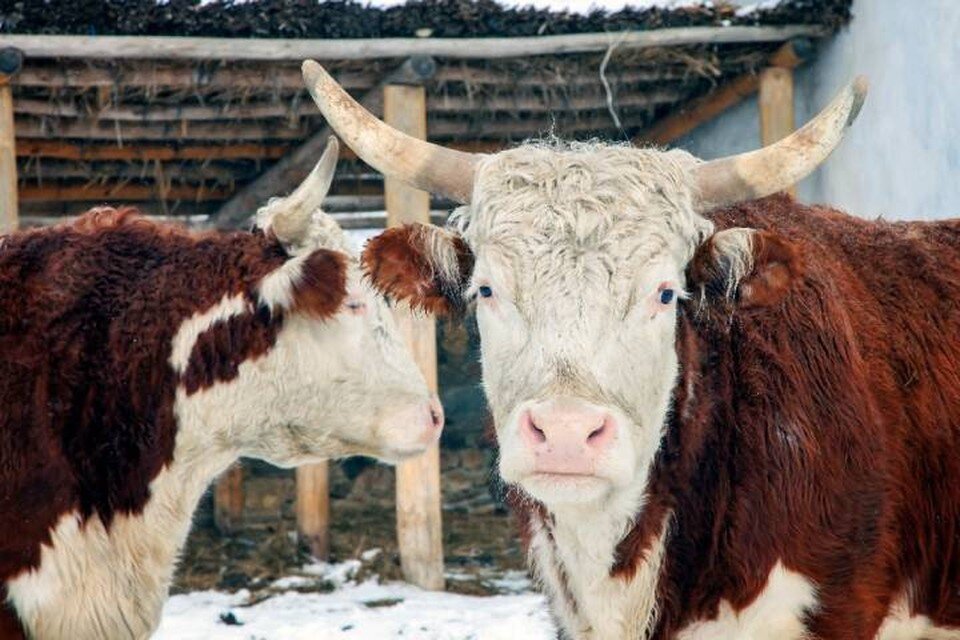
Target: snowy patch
(505, 582)
(293, 582)
(369, 610)
(371, 554)
(337, 573)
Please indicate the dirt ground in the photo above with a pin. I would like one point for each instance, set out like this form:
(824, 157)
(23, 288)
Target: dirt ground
(479, 537)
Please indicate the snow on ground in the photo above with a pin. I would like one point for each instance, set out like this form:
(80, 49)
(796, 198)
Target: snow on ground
(585, 6)
(358, 609)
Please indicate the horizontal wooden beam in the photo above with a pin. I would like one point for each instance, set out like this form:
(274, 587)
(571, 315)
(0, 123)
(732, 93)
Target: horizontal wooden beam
(288, 112)
(29, 127)
(286, 78)
(147, 113)
(132, 169)
(445, 104)
(106, 152)
(182, 76)
(114, 192)
(181, 48)
(560, 123)
(708, 107)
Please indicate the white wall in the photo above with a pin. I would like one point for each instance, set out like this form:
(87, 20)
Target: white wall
(901, 159)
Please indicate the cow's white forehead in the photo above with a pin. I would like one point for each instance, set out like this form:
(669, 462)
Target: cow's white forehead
(629, 203)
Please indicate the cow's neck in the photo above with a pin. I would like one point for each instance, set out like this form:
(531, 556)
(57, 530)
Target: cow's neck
(112, 582)
(574, 553)
(601, 564)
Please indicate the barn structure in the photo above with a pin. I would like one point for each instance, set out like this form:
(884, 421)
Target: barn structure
(198, 113)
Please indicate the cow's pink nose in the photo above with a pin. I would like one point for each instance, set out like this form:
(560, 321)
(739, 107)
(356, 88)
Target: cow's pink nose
(567, 436)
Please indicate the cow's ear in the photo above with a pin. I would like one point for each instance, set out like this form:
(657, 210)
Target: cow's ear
(314, 284)
(424, 265)
(748, 267)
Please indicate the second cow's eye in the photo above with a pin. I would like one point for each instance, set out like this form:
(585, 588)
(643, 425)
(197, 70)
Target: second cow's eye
(356, 307)
(666, 296)
(484, 291)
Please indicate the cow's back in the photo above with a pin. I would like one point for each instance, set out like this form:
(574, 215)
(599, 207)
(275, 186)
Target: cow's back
(898, 286)
(88, 311)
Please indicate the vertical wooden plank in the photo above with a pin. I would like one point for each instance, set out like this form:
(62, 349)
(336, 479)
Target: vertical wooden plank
(228, 500)
(419, 526)
(9, 218)
(313, 508)
(776, 106)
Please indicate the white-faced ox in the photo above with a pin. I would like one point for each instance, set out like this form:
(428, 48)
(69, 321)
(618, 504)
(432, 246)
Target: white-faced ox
(722, 414)
(140, 360)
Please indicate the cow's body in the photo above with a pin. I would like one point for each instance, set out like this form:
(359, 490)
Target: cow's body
(138, 362)
(88, 316)
(807, 482)
(738, 422)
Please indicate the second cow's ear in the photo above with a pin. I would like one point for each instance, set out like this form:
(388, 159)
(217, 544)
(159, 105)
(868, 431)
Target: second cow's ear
(747, 267)
(424, 265)
(314, 284)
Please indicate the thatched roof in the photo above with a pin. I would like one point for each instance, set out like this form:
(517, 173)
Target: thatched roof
(351, 19)
(183, 136)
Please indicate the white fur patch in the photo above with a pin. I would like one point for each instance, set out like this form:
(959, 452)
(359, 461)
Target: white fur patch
(95, 583)
(192, 327)
(900, 624)
(577, 564)
(776, 614)
(276, 289)
(441, 249)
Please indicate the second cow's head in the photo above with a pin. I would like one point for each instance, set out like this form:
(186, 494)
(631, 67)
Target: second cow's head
(577, 256)
(340, 376)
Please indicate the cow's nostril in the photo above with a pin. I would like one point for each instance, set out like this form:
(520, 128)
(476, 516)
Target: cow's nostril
(534, 433)
(537, 431)
(435, 418)
(596, 433)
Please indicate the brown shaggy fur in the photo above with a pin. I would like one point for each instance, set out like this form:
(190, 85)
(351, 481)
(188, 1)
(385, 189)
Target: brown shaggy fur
(88, 311)
(816, 422)
(398, 262)
(822, 429)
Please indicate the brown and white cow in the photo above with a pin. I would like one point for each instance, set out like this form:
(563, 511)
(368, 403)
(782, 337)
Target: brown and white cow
(722, 415)
(138, 361)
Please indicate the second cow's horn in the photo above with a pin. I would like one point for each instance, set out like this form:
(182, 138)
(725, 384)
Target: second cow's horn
(292, 218)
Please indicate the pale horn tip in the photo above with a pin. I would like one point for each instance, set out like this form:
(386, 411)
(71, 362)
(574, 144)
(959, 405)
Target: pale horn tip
(859, 87)
(333, 143)
(311, 70)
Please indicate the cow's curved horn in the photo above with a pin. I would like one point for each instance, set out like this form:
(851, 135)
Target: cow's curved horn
(782, 164)
(291, 219)
(418, 163)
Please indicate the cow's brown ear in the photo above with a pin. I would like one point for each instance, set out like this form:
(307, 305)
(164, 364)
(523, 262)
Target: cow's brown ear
(748, 267)
(314, 284)
(426, 266)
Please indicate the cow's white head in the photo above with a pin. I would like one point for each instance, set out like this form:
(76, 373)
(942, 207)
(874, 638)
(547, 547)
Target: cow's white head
(577, 255)
(338, 378)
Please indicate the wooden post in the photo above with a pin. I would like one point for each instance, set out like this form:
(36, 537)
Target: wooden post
(419, 528)
(228, 500)
(313, 508)
(776, 107)
(10, 63)
(708, 107)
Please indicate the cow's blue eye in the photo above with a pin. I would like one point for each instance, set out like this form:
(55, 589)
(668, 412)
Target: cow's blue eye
(666, 296)
(485, 291)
